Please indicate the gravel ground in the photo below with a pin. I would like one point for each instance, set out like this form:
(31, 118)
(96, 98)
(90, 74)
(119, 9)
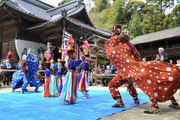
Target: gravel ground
(136, 113)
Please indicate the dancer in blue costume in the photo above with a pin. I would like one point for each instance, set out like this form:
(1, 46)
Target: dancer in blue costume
(83, 79)
(51, 84)
(84, 75)
(62, 75)
(24, 77)
(69, 91)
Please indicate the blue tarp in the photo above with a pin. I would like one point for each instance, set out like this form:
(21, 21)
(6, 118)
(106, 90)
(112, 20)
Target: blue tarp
(31, 106)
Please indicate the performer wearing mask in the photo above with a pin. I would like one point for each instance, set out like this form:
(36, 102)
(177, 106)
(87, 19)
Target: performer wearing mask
(62, 71)
(159, 80)
(69, 91)
(84, 76)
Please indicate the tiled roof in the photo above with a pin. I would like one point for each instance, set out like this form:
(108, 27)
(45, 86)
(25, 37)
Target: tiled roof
(95, 29)
(67, 6)
(50, 14)
(59, 16)
(40, 4)
(28, 9)
(155, 36)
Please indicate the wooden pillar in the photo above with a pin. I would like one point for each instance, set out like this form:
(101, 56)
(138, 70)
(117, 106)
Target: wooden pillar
(96, 62)
(152, 51)
(62, 47)
(0, 43)
(166, 43)
(96, 69)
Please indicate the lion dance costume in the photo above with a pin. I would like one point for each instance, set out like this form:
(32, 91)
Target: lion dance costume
(24, 77)
(159, 80)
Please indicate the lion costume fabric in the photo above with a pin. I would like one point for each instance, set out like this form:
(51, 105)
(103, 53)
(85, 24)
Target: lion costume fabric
(159, 80)
(24, 77)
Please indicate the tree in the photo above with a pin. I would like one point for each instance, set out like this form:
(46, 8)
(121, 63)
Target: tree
(116, 13)
(132, 7)
(153, 19)
(134, 25)
(100, 5)
(63, 1)
(102, 60)
(163, 4)
(172, 20)
(176, 16)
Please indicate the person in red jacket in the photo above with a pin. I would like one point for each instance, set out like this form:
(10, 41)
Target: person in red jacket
(10, 56)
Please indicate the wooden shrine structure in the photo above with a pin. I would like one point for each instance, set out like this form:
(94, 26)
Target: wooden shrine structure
(148, 44)
(39, 22)
(97, 44)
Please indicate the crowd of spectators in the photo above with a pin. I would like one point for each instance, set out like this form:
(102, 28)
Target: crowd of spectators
(109, 69)
(101, 69)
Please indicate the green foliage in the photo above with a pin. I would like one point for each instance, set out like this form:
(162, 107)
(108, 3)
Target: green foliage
(132, 7)
(117, 14)
(172, 20)
(163, 4)
(140, 18)
(63, 1)
(100, 5)
(102, 60)
(153, 19)
(176, 16)
(134, 25)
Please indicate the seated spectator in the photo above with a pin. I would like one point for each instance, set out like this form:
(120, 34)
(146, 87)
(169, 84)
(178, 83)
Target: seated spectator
(0, 72)
(53, 67)
(106, 80)
(10, 56)
(24, 52)
(108, 70)
(144, 59)
(113, 68)
(162, 56)
(92, 69)
(171, 61)
(59, 63)
(41, 54)
(103, 69)
(99, 69)
(178, 63)
(8, 75)
(41, 67)
(18, 66)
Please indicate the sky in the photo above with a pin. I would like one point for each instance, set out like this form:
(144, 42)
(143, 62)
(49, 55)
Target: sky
(55, 3)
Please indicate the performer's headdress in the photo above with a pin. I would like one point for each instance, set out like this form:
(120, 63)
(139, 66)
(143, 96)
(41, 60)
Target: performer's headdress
(64, 53)
(70, 44)
(47, 56)
(85, 48)
(116, 30)
(125, 35)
